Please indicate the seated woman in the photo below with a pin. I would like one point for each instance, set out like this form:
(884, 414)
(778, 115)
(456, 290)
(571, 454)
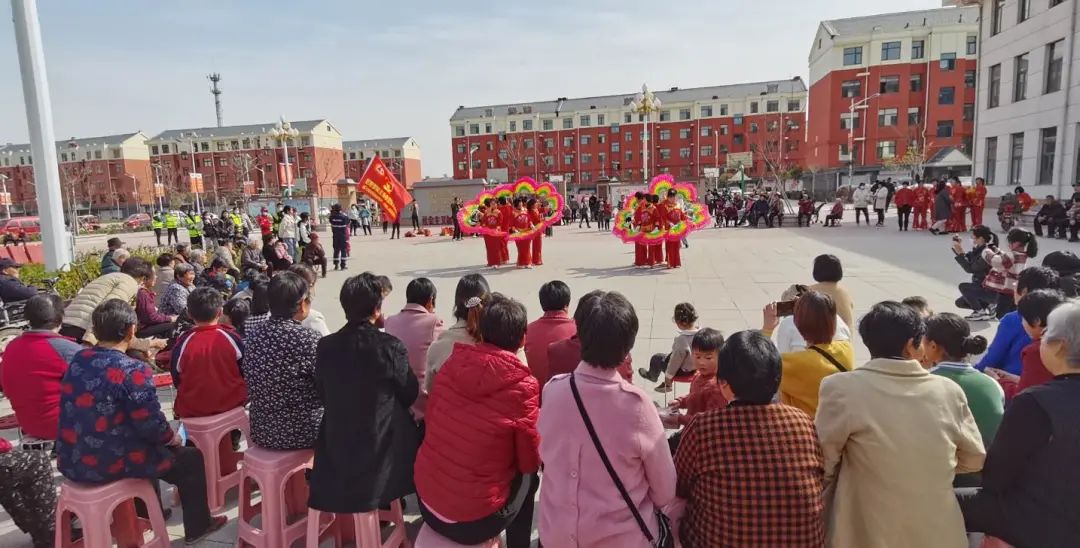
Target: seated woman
(112, 427)
(894, 436)
(366, 448)
(580, 504)
(1028, 480)
(476, 469)
(816, 319)
(722, 453)
(279, 368)
(152, 322)
(174, 300)
(469, 298)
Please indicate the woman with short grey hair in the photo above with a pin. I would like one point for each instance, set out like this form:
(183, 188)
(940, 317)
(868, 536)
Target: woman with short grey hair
(1030, 480)
(174, 300)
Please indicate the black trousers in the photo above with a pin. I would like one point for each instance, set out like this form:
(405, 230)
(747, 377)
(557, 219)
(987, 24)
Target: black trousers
(983, 514)
(189, 477)
(830, 220)
(72, 332)
(157, 234)
(395, 231)
(974, 296)
(340, 254)
(172, 236)
(903, 218)
(367, 229)
(864, 212)
(1005, 304)
(1073, 228)
(880, 216)
(779, 219)
(196, 242)
(584, 219)
(802, 216)
(321, 262)
(515, 518)
(457, 229)
(161, 330)
(385, 225)
(416, 223)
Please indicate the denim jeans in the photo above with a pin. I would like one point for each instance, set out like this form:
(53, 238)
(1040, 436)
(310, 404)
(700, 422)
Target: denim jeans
(290, 244)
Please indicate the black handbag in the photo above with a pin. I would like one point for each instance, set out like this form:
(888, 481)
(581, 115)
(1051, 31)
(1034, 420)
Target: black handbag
(830, 357)
(663, 537)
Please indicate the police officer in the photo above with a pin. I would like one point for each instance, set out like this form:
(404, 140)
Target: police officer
(157, 222)
(339, 227)
(194, 224)
(238, 222)
(172, 222)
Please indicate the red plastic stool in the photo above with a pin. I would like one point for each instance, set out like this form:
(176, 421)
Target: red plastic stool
(428, 538)
(281, 487)
(681, 377)
(364, 528)
(211, 436)
(95, 506)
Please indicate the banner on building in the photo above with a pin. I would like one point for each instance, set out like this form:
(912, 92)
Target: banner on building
(5, 198)
(196, 182)
(378, 183)
(159, 190)
(285, 174)
(249, 188)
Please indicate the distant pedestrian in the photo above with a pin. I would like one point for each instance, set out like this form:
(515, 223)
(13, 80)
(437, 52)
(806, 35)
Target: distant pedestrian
(395, 230)
(415, 214)
(455, 206)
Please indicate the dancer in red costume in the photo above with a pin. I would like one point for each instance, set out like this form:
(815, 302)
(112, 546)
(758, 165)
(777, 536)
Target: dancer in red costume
(536, 217)
(656, 217)
(959, 202)
(673, 215)
(921, 203)
(491, 218)
(507, 212)
(978, 203)
(641, 218)
(521, 223)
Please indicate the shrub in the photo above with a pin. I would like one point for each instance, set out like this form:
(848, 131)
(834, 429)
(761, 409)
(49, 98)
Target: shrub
(84, 269)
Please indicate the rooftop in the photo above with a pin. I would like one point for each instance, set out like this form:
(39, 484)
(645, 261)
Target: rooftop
(447, 181)
(898, 22)
(24, 148)
(670, 96)
(391, 142)
(303, 126)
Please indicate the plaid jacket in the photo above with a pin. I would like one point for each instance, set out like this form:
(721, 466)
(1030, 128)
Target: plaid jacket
(752, 475)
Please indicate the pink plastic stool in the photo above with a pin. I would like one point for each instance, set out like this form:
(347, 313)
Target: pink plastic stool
(94, 505)
(365, 530)
(428, 538)
(211, 436)
(272, 471)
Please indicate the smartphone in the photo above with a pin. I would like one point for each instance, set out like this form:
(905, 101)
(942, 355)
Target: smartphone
(785, 308)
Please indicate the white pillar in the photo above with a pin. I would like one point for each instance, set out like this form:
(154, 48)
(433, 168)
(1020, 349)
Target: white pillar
(55, 239)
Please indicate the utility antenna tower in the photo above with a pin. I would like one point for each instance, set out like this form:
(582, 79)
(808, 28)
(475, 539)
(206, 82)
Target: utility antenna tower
(215, 78)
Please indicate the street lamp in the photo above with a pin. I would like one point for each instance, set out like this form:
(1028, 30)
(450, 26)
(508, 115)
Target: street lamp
(851, 133)
(159, 188)
(645, 103)
(191, 135)
(472, 149)
(6, 196)
(283, 130)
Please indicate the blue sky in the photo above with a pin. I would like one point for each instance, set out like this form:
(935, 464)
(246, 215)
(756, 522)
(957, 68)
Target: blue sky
(391, 69)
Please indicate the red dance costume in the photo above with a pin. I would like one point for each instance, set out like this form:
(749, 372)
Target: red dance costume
(537, 219)
(673, 215)
(641, 219)
(920, 205)
(521, 223)
(978, 204)
(956, 222)
(493, 244)
(657, 214)
(507, 212)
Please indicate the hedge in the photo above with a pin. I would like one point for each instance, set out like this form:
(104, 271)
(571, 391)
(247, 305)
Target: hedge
(84, 268)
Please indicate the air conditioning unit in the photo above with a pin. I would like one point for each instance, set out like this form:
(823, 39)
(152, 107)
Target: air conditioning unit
(845, 157)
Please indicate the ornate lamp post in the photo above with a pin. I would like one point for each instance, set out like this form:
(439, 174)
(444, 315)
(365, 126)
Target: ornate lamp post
(645, 103)
(284, 131)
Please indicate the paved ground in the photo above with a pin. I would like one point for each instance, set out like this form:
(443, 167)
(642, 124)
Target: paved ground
(729, 275)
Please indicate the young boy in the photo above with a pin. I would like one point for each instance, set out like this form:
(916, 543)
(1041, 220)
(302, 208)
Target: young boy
(1034, 308)
(206, 361)
(705, 394)
(679, 361)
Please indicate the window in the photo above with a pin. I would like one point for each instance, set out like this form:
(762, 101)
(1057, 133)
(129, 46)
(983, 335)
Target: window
(890, 51)
(948, 61)
(944, 128)
(972, 44)
(627, 117)
(513, 125)
(568, 123)
(851, 88)
(487, 127)
(526, 125)
(665, 134)
(753, 107)
(547, 125)
(153, 150)
(684, 133)
(207, 162)
(722, 150)
(684, 153)
(849, 122)
(753, 127)
(459, 131)
(615, 146)
(461, 166)
(585, 120)
(549, 143)
(568, 141)
(665, 154)
(1020, 68)
(599, 119)
(853, 56)
(723, 110)
(568, 159)
(737, 138)
(946, 95)
(528, 145)
(615, 129)
(1054, 53)
(205, 146)
(723, 130)
(969, 78)
(772, 125)
(601, 138)
(627, 136)
(890, 84)
(489, 144)
(916, 82)
(1016, 158)
(969, 112)
(684, 114)
(993, 96)
(991, 160)
(793, 105)
(772, 106)
(706, 150)
(706, 131)
(886, 150)
(529, 160)
(474, 129)
(913, 116)
(706, 111)
(887, 117)
(222, 162)
(665, 115)
(629, 156)
(917, 48)
(97, 154)
(490, 163)
(1047, 146)
(247, 143)
(1023, 10)
(586, 159)
(996, 15)
(585, 139)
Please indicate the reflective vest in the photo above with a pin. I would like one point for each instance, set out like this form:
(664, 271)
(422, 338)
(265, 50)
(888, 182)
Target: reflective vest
(237, 220)
(156, 223)
(194, 226)
(171, 221)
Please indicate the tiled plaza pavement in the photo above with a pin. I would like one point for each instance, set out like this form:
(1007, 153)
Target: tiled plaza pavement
(728, 274)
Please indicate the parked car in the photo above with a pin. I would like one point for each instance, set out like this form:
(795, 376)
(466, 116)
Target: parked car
(89, 223)
(138, 221)
(18, 229)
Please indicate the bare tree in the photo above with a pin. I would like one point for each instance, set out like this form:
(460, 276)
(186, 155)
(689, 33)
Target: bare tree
(331, 169)
(513, 153)
(913, 160)
(777, 165)
(76, 175)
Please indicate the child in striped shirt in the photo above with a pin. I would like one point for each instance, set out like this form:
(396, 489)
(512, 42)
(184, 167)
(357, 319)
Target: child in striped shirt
(1006, 265)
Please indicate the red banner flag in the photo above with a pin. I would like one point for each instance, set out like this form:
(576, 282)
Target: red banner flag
(285, 174)
(380, 185)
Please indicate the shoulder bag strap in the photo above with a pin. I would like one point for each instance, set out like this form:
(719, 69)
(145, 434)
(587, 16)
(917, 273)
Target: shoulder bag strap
(607, 463)
(830, 358)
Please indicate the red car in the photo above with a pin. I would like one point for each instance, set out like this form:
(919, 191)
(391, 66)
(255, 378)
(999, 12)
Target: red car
(138, 221)
(18, 228)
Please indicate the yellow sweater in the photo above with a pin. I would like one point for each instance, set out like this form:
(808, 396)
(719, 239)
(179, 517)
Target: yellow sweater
(804, 370)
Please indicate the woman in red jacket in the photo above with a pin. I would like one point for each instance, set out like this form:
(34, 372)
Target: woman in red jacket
(536, 216)
(520, 222)
(476, 470)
